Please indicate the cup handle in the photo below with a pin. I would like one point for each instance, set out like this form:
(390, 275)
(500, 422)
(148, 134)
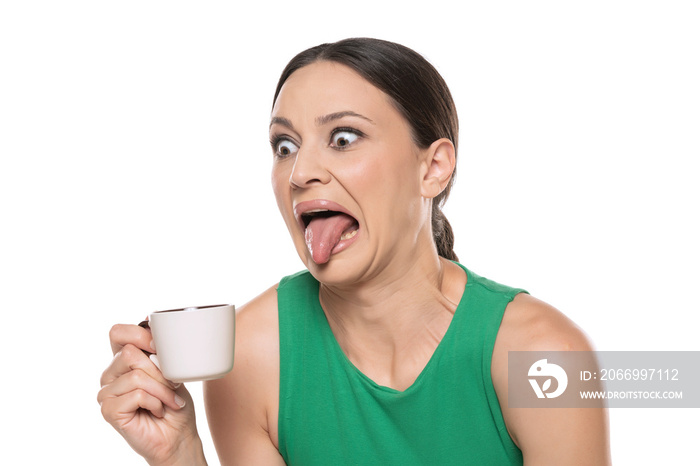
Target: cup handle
(152, 356)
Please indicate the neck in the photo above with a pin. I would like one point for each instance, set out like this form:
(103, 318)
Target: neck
(406, 299)
(390, 327)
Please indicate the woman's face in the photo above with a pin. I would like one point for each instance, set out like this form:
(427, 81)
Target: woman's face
(346, 173)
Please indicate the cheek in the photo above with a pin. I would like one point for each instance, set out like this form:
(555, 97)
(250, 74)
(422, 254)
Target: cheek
(396, 174)
(280, 182)
(276, 188)
(280, 188)
(388, 188)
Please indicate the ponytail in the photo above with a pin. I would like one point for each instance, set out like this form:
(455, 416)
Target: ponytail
(442, 234)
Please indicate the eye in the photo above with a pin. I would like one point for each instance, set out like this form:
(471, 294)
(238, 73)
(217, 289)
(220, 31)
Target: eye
(342, 138)
(284, 148)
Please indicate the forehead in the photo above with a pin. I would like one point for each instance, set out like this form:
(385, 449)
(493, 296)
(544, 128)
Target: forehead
(325, 87)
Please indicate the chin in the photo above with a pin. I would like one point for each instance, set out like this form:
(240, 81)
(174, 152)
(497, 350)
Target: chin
(338, 271)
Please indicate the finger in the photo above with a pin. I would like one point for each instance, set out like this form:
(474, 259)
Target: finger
(128, 359)
(154, 359)
(118, 409)
(137, 380)
(122, 334)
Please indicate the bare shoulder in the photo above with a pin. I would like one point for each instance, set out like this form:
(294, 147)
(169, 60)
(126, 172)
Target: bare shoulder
(242, 407)
(530, 324)
(257, 326)
(564, 436)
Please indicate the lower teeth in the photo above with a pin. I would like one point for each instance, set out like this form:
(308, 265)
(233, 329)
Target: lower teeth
(348, 235)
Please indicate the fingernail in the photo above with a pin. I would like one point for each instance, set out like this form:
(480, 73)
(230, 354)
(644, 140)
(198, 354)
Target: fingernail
(152, 344)
(179, 401)
(154, 359)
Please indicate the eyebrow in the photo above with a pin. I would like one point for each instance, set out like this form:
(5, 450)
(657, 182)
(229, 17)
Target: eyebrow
(322, 120)
(281, 121)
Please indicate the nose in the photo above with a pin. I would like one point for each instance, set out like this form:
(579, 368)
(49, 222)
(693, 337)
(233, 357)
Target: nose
(308, 169)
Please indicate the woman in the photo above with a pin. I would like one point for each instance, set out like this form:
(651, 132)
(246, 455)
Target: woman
(386, 351)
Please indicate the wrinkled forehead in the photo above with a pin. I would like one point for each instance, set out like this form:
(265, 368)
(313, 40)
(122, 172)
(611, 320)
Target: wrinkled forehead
(326, 87)
(326, 82)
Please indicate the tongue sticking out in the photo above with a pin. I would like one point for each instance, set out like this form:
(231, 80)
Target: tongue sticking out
(323, 234)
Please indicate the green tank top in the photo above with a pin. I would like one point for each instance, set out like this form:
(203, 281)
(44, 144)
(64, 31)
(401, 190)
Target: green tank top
(330, 413)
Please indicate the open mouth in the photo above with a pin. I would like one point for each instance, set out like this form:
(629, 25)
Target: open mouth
(320, 214)
(328, 228)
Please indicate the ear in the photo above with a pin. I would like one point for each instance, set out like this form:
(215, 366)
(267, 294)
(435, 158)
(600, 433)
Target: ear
(437, 167)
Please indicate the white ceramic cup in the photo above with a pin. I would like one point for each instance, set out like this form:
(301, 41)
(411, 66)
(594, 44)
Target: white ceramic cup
(194, 343)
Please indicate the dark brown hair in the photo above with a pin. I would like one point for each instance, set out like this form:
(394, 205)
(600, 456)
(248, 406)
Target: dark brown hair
(416, 89)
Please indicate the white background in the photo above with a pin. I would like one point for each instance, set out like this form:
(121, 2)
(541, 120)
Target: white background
(134, 176)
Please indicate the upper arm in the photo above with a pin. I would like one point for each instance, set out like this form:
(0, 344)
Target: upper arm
(242, 407)
(562, 436)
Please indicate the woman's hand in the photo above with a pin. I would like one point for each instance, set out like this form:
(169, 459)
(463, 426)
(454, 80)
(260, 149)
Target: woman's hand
(155, 416)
